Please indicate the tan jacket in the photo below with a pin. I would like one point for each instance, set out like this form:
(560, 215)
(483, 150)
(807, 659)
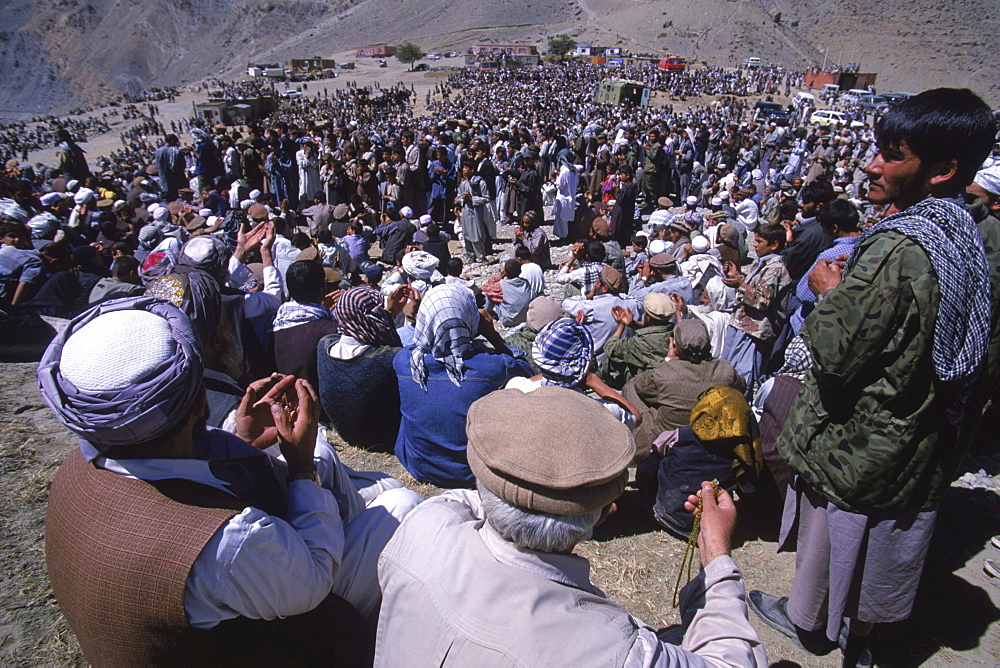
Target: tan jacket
(455, 593)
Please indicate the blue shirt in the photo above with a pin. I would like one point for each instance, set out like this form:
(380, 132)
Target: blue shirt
(18, 266)
(432, 441)
(842, 246)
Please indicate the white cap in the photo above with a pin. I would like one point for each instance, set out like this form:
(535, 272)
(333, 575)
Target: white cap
(692, 200)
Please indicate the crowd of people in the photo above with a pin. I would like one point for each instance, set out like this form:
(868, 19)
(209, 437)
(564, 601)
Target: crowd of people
(803, 315)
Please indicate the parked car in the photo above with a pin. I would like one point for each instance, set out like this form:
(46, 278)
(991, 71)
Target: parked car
(770, 111)
(752, 62)
(875, 103)
(855, 96)
(382, 63)
(433, 56)
(453, 54)
(421, 67)
(826, 117)
(895, 98)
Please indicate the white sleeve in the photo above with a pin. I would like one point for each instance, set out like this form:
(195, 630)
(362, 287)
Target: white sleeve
(239, 273)
(261, 567)
(574, 276)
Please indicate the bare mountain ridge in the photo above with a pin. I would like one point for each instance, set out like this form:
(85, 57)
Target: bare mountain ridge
(59, 53)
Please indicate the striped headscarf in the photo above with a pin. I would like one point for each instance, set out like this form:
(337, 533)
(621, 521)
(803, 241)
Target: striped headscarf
(447, 322)
(363, 317)
(563, 350)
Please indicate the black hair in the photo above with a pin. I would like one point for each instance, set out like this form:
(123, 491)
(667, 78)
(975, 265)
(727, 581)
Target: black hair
(433, 230)
(772, 233)
(124, 266)
(320, 197)
(839, 212)
(512, 268)
(455, 267)
(522, 253)
(121, 247)
(355, 228)
(14, 229)
(939, 125)
(596, 252)
(820, 192)
(300, 240)
(640, 240)
(788, 209)
(324, 236)
(305, 281)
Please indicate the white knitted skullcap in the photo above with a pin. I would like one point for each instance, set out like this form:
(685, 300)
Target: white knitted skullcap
(116, 350)
(657, 246)
(200, 248)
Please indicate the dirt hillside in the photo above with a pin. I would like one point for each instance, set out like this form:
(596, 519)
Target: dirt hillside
(55, 55)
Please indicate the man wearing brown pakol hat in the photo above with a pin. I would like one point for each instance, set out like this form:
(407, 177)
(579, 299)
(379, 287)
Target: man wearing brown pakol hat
(625, 358)
(667, 393)
(660, 274)
(498, 570)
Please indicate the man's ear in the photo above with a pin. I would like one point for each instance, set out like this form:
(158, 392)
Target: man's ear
(942, 172)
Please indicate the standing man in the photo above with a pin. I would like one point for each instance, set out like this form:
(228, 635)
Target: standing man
(904, 355)
(651, 167)
(170, 164)
(623, 213)
(471, 210)
(416, 197)
(71, 157)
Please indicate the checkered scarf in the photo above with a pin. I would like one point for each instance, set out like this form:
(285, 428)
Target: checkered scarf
(363, 317)
(591, 274)
(447, 322)
(292, 313)
(949, 236)
(563, 350)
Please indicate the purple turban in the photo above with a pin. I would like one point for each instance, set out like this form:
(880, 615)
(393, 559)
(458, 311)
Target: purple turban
(124, 372)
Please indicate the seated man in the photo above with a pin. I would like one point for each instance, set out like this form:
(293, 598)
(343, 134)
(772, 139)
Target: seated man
(167, 541)
(509, 294)
(624, 359)
(667, 393)
(490, 578)
(660, 274)
(595, 309)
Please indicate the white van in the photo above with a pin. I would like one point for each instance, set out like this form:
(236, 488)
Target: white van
(801, 100)
(752, 62)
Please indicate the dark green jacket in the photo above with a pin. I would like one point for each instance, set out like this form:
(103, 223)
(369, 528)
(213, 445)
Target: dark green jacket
(624, 359)
(868, 431)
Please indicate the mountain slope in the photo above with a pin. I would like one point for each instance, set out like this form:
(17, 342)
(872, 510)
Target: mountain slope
(58, 53)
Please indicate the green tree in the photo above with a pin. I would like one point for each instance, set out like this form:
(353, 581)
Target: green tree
(409, 53)
(560, 45)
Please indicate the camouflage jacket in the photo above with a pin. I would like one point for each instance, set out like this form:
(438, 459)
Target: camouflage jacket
(868, 430)
(624, 359)
(762, 301)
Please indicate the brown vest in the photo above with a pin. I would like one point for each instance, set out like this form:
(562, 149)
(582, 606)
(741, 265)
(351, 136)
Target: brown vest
(121, 584)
